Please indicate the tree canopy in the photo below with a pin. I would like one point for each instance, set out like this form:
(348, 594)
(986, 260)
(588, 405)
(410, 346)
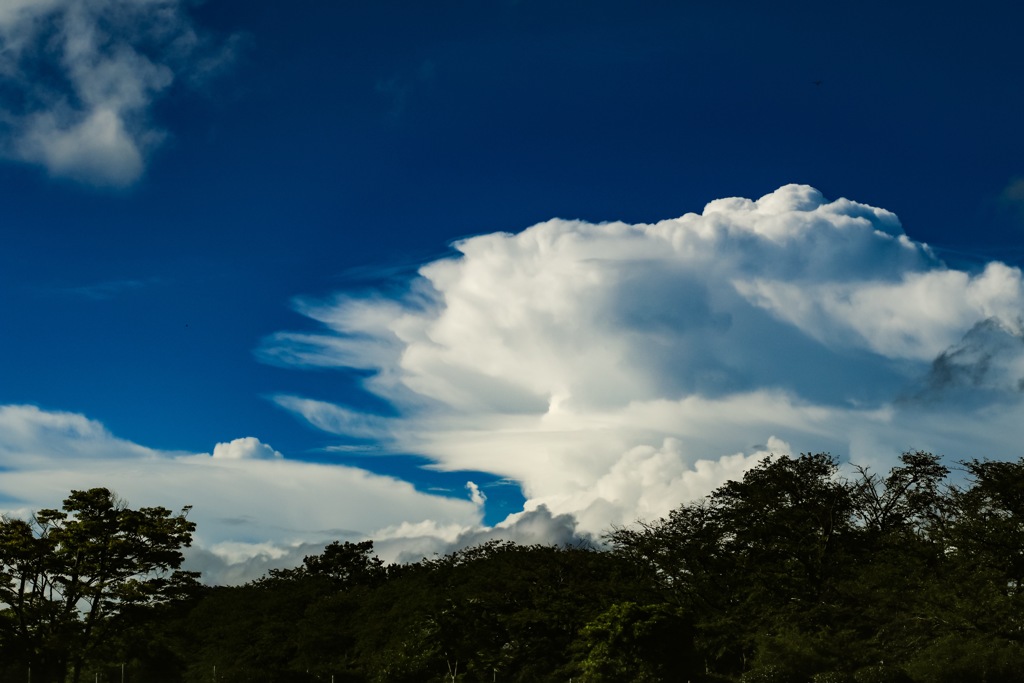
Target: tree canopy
(793, 573)
(73, 579)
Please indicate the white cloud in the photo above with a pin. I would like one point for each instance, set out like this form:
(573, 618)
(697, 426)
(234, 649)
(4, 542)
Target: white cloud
(475, 494)
(529, 527)
(335, 419)
(81, 76)
(253, 509)
(616, 370)
(917, 317)
(246, 448)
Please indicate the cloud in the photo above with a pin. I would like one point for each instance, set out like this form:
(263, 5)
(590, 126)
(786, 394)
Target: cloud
(986, 365)
(613, 371)
(105, 291)
(78, 78)
(916, 317)
(617, 370)
(336, 419)
(246, 448)
(253, 508)
(475, 494)
(537, 526)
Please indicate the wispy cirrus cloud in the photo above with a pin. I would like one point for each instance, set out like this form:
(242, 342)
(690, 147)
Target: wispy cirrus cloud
(616, 370)
(78, 79)
(109, 289)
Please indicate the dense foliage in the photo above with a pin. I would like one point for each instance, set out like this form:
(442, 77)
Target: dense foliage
(75, 580)
(791, 574)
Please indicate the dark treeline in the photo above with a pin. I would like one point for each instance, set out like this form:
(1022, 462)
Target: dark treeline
(791, 574)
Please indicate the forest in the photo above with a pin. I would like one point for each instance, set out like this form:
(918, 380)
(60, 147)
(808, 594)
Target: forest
(793, 574)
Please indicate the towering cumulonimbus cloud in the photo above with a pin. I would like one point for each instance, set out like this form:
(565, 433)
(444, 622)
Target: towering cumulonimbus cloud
(613, 371)
(78, 78)
(617, 370)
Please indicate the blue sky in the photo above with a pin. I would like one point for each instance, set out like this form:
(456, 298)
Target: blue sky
(241, 220)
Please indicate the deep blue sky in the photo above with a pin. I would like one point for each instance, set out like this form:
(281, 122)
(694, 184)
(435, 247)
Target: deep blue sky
(347, 143)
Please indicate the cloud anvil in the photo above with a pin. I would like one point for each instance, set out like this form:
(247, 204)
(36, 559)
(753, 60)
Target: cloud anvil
(608, 367)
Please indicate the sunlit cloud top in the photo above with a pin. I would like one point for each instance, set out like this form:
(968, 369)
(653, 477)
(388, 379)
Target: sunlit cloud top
(611, 367)
(612, 371)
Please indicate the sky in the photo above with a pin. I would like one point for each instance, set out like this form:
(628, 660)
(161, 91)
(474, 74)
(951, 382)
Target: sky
(433, 273)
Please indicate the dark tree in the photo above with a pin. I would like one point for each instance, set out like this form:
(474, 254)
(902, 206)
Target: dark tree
(72, 580)
(911, 500)
(791, 574)
(344, 564)
(640, 643)
(753, 562)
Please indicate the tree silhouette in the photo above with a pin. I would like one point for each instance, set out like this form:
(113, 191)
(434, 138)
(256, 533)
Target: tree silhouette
(72, 579)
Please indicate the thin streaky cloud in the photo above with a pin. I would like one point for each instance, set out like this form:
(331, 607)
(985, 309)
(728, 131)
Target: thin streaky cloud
(112, 289)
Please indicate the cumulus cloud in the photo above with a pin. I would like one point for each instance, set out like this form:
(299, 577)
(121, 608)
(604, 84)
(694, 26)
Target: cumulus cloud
(78, 78)
(254, 510)
(617, 370)
(537, 526)
(986, 365)
(246, 448)
(613, 371)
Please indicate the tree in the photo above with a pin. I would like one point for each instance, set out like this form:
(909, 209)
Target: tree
(909, 500)
(981, 632)
(756, 555)
(344, 564)
(990, 523)
(72, 579)
(640, 643)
